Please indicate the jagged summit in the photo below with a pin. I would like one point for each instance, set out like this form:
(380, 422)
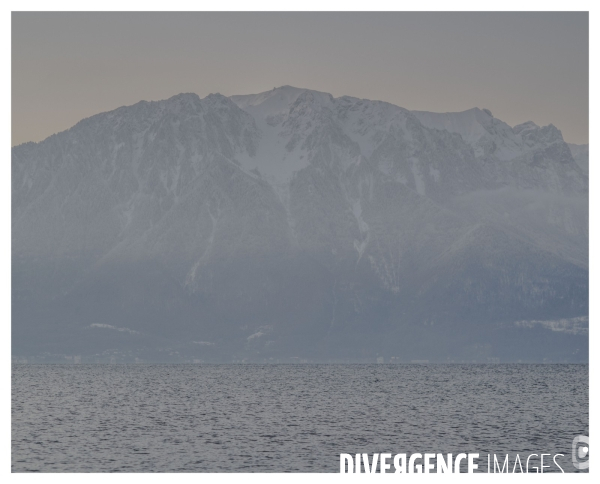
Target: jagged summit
(279, 100)
(476, 126)
(526, 125)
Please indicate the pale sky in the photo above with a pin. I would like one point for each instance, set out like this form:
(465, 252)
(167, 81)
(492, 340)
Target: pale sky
(521, 66)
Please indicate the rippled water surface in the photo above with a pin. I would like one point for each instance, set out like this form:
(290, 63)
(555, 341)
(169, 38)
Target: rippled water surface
(276, 418)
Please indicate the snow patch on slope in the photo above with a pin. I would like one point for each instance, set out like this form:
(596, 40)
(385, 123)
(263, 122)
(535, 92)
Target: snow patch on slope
(274, 160)
(478, 128)
(360, 246)
(110, 326)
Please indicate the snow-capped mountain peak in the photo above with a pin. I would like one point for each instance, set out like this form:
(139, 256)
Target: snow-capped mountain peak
(224, 217)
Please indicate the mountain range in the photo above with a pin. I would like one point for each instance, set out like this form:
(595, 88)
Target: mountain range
(292, 225)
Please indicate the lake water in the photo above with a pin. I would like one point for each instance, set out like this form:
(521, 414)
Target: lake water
(279, 418)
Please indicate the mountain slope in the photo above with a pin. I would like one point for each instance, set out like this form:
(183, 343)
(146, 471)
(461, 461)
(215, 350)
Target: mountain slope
(581, 154)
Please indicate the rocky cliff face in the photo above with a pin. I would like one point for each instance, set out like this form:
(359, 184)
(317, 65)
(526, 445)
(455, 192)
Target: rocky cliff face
(291, 223)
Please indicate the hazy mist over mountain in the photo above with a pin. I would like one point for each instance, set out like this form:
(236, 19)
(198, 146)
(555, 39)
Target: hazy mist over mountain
(291, 225)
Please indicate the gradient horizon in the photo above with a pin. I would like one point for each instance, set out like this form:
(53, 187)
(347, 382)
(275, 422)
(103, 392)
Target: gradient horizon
(521, 65)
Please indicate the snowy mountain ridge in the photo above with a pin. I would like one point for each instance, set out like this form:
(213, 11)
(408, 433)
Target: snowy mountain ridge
(296, 216)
